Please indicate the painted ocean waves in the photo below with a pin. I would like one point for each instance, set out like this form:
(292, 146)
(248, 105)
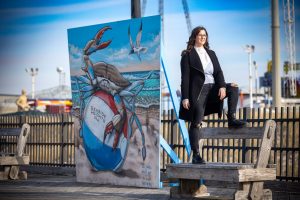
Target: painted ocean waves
(148, 96)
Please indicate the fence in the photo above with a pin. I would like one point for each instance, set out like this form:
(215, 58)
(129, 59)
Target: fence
(285, 151)
(52, 140)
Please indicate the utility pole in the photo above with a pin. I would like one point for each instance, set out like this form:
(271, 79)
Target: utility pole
(135, 8)
(276, 86)
(256, 80)
(250, 49)
(33, 73)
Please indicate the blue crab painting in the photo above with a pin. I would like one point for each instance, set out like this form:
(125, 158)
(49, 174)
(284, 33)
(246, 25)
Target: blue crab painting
(106, 100)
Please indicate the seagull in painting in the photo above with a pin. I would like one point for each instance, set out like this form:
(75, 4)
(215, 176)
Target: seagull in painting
(137, 49)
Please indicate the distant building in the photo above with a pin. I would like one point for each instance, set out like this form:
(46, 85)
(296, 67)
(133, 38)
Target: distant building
(43, 98)
(8, 103)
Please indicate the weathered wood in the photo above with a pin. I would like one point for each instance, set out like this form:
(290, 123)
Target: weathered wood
(226, 133)
(175, 193)
(14, 172)
(257, 174)
(4, 173)
(243, 195)
(244, 178)
(263, 157)
(22, 139)
(213, 171)
(212, 165)
(14, 160)
(10, 131)
(23, 175)
(193, 187)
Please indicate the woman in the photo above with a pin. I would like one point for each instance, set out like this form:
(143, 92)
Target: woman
(203, 88)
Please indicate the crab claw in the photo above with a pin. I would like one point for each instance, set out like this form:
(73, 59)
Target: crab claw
(116, 140)
(96, 44)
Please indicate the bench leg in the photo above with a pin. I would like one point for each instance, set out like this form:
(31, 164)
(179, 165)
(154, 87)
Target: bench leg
(256, 190)
(14, 172)
(243, 195)
(23, 175)
(188, 189)
(4, 173)
(253, 191)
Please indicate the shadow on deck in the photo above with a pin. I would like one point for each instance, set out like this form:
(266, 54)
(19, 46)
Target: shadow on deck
(52, 187)
(48, 187)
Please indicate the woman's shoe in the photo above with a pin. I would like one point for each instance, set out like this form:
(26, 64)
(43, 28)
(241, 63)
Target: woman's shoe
(197, 159)
(235, 123)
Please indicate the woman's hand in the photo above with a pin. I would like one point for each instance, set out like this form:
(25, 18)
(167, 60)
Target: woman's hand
(222, 93)
(186, 103)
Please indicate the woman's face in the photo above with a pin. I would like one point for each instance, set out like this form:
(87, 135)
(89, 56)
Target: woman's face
(201, 38)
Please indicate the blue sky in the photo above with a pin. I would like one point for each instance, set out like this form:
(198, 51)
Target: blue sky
(33, 33)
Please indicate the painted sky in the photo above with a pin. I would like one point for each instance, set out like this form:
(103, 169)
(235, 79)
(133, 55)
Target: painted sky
(33, 33)
(117, 53)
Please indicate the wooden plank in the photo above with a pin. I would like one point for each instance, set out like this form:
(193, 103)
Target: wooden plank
(10, 131)
(212, 165)
(263, 157)
(242, 195)
(266, 144)
(203, 173)
(4, 173)
(175, 193)
(259, 174)
(193, 187)
(221, 173)
(22, 140)
(226, 133)
(23, 175)
(14, 172)
(14, 160)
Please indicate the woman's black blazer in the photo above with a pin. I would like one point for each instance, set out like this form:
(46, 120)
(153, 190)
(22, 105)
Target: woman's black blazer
(192, 80)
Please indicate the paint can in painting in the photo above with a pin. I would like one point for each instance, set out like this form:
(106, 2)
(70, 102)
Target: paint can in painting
(99, 111)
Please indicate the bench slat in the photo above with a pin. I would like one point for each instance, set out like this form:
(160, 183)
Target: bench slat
(14, 160)
(257, 174)
(211, 165)
(226, 133)
(229, 172)
(10, 131)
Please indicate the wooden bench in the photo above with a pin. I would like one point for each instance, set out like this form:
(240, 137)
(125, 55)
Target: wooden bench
(227, 180)
(10, 162)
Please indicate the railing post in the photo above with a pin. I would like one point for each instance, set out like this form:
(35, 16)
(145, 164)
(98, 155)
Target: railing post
(172, 129)
(245, 153)
(62, 141)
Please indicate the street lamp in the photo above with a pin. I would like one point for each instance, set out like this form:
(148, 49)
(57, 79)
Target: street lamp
(250, 49)
(256, 80)
(32, 72)
(62, 75)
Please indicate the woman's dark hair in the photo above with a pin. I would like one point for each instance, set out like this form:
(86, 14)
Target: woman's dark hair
(192, 39)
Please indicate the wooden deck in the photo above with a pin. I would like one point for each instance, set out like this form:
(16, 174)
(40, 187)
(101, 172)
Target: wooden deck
(49, 187)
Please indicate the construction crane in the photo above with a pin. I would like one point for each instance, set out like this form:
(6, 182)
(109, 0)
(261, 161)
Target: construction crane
(161, 12)
(289, 27)
(187, 16)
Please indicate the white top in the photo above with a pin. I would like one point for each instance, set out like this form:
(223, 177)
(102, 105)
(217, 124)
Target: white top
(207, 65)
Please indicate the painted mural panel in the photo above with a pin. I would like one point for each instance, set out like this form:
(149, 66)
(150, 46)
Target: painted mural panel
(115, 76)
